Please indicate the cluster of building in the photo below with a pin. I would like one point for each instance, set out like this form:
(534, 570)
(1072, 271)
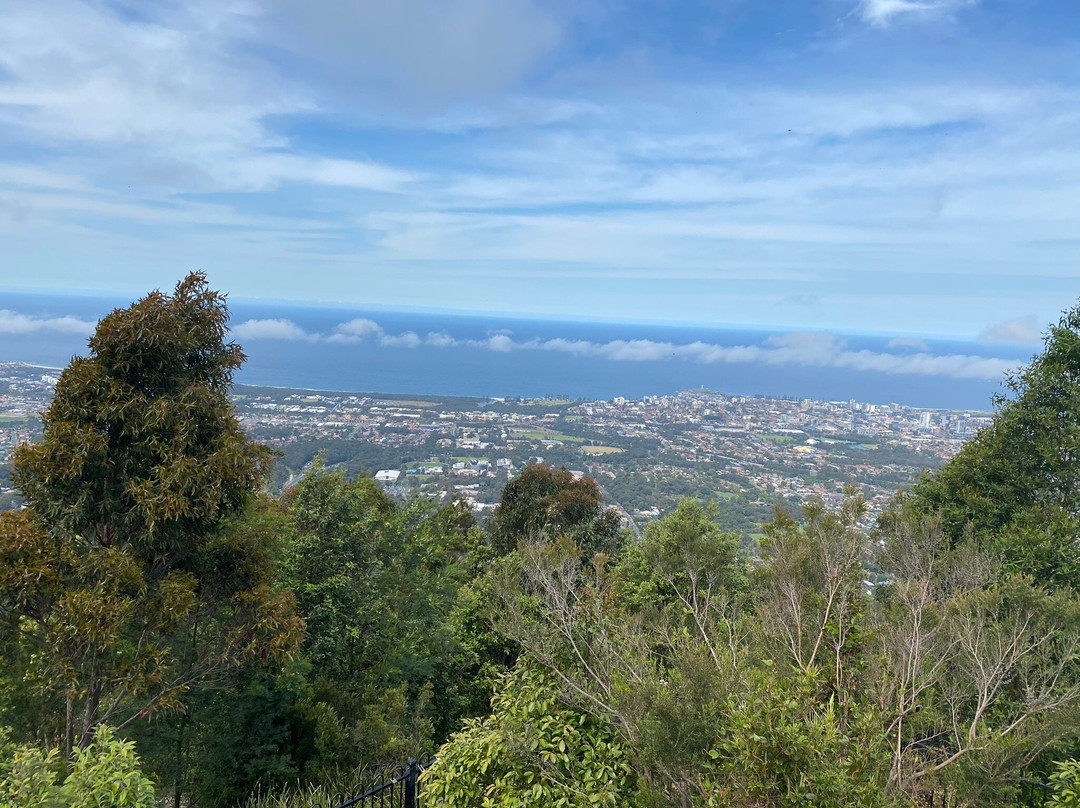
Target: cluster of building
(763, 448)
(939, 430)
(25, 390)
(645, 452)
(784, 449)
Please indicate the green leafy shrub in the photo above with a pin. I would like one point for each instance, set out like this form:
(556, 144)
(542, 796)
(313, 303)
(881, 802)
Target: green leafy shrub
(106, 775)
(1066, 782)
(103, 775)
(533, 750)
(785, 748)
(29, 777)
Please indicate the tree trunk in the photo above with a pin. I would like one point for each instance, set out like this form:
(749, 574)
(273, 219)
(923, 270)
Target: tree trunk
(90, 715)
(181, 762)
(69, 727)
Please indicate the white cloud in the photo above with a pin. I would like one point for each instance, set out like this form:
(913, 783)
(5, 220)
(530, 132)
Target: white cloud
(809, 347)
(362, 329)
(409, 339)
(812, 348)
(1018, 330)
(880, 12)
(634, 350)
(170, 94)
(355, 330)
(12, 322)
(574, 346)
(883, 12)
(815, 349)
(501, 343)
(276, 329)
(266, 171)
(31, 176)
(914, 343)
(106, 76)
(440, 339)
(519, 187)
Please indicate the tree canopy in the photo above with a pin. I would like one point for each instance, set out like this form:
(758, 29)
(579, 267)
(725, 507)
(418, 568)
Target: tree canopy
(321, 636)
(142, 448)
(1017, 482)
(127, 580)
(543, 501)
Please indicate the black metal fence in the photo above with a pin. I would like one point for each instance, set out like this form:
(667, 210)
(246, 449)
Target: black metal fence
(1034, 790)
(400, 791)
(403, 791)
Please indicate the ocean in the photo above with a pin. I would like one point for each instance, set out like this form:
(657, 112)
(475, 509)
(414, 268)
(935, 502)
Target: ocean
(394, 351)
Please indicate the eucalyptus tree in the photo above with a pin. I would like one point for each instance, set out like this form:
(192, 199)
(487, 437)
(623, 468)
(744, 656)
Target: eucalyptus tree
(129, 579)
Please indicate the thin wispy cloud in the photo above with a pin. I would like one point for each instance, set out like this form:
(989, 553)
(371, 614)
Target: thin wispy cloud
(553, 158)
(1017, 330)
(882, 12)
(170, 89)
(913, 343)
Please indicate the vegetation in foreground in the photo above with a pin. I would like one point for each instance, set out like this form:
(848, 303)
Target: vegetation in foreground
(171, 634)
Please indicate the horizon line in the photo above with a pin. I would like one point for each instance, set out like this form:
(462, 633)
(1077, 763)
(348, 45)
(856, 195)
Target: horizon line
(553, 317)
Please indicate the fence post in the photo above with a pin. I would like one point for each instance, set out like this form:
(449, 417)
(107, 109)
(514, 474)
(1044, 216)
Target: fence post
(410, 783)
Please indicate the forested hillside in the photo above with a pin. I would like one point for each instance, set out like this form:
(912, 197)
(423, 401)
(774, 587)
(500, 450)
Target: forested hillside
(174, 635)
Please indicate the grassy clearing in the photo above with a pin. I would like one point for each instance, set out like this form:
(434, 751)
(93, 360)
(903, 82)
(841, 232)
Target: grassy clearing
(11, 418)
(602, 450)
(539, 435)
(778, 438)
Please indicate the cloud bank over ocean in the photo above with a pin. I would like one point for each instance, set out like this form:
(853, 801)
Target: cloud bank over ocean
(12, 322)
(807, 348)
(378, 349)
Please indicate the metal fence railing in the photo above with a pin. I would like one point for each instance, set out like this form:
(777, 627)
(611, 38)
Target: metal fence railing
(400, 791)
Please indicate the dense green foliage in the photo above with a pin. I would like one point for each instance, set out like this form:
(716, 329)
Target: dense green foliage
(104, 774)
(134, 577)
(262, 650)
(1066, 780)
(141, 446)
(534, 749)
(1017, 483)
(547, 502)
(793, 684)
(243, 643)
(378, 586)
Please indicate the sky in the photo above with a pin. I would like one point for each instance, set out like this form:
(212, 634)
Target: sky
(875, 166)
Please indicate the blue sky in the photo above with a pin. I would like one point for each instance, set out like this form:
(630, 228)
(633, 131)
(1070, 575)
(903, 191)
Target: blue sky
(888, 166)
